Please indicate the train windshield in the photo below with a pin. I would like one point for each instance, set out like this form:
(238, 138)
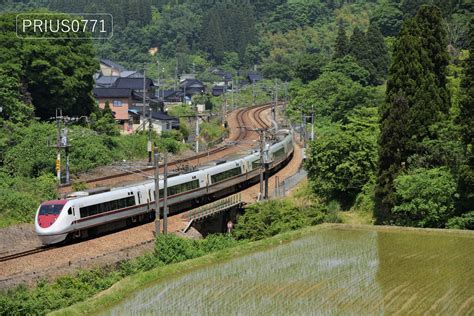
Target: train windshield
(51, 209)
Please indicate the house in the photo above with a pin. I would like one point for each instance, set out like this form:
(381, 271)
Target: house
(120, 100)
(110, 68)
(218, 90)
(254, 77)
(191, 87)
(160, 120)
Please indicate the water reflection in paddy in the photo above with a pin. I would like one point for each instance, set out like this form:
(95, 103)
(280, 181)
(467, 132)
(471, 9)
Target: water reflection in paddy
(333, 271)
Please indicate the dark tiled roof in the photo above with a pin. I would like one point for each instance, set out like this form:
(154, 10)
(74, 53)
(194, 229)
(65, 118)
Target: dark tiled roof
(111, 93)
(112, 64)
(217, 90)
(254, 76)
(191, 82)
(222, 74)
(161, 116)
(105, 81)
(133, 83)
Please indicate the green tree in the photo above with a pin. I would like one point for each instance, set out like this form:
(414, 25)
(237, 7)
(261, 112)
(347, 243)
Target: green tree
(309, 66)
(343, 158)
(341, 48)
(377, 55)
(103, 121)
(349, 67)
(425, 198)
(333, 95)
(56, 73)
(414, 107)
(465, 121)
(388, 17)
(432, 34)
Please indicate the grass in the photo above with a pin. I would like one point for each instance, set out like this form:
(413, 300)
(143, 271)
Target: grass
(330, 268)
(127, 286)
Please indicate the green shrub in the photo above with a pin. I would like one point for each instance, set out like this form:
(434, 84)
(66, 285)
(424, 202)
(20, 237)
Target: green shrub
(272, 217)
(425, 197)
(465, 221)
(67, 290)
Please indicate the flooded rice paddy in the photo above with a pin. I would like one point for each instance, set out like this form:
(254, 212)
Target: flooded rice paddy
(333, 271)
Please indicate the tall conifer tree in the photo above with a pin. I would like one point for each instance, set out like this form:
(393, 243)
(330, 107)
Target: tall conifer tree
(411, 80)
(465, 121)
(434, 41)
(342, 47)
(377, 54)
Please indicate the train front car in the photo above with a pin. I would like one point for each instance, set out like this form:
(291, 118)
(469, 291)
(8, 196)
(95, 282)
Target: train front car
(52, 221)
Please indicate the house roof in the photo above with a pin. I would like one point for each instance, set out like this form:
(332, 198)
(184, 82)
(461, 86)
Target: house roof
(112, 64)
(105, 81)
(133, 83)
(111, 93)
(130, 73)
(222, 74)
(218, 90)
(191, 83)
(161, 116)
(254, 76)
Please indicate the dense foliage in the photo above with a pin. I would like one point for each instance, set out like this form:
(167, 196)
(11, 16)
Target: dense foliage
(65, 291)
(425, 173)
(269, 218)
(45, 74)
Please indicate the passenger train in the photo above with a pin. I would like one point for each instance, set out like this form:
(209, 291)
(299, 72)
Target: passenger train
(81, 216)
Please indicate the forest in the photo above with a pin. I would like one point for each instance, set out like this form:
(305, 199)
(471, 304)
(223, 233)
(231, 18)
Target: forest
(389, 83)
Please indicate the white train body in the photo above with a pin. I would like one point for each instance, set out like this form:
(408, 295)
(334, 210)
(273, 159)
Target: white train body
(75, 217)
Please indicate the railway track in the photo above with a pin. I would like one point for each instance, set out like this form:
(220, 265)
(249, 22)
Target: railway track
(243, 134)
(243, 124)
(23, 253)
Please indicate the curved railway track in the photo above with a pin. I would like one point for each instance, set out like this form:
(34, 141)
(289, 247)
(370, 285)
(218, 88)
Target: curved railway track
(243, 121)
(242, 134)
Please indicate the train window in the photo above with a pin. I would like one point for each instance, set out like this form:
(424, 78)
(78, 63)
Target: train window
(51, 209)
(179, 188)
(256, 164)
(280, 152)
(106, 206)
(69, 211)
(226, 174)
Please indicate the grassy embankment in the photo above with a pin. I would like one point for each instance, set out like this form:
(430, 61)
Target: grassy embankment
(261, 220)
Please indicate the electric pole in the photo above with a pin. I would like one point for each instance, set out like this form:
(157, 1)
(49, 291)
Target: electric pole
(59, 116)
(197, 131)
(312, 123)
(157, 194)
(165, 195)
(144, 99)
(254, 95)
(262, 146)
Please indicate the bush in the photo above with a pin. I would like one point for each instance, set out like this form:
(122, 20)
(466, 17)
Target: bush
(465, 221)
(65, 291)
(425, 197)
(272, 217)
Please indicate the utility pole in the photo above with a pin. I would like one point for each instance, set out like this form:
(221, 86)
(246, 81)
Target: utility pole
(159, 84)
(197, 131)
(157, 194)
(165, 195)
(267, 163)
(254, 95)
(65, 143)
(312, 123)
(59, 116)
(232, 93)
(262, 146)
(150, 127)
(144, 99)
